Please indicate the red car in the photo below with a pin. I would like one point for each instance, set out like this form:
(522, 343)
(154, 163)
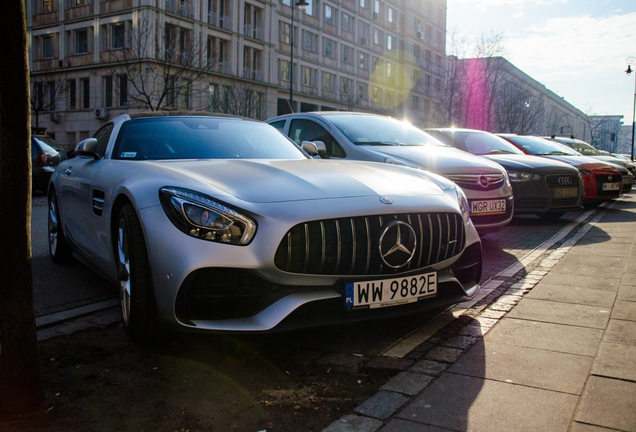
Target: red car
(602, 181)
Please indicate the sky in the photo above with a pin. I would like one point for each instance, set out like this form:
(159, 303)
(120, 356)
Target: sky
(576, 48)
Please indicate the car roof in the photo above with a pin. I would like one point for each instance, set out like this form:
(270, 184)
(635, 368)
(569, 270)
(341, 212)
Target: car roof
(179, 113)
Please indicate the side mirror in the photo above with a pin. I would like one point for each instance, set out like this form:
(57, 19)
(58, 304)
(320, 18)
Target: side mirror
(87, 147)
(315, 148)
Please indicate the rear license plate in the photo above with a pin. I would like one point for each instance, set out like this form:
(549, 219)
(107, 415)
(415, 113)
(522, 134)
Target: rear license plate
(612, 186)
(390, 292)
(488, 206)
(566, 193)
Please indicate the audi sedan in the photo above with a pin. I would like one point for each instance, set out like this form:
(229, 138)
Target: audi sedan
(368, 137)
(542, 186)
(222, 224)
(601, 181)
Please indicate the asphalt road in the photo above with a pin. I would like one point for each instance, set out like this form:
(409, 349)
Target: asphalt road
(62, 287)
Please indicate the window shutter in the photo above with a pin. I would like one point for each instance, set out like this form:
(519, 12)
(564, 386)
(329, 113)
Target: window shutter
(56, 45)
(103, 38)
(91, 41)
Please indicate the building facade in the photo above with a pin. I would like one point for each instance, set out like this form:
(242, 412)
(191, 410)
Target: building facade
(94, 59)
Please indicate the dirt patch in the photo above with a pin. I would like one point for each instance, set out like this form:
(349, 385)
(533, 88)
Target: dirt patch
(99, 380)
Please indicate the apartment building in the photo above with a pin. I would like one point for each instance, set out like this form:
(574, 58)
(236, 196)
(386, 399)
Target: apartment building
(95, 59)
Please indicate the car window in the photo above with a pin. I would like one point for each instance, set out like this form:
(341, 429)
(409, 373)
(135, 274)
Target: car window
(47, 143)
(279, 125)
(44, 146)
(102, 136)
(308, 130)
(378, 130)
(201, 138)
(485, 144)
(541, 147)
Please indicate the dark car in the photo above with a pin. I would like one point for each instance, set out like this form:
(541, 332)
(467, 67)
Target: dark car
(541, 186)
(45, 155)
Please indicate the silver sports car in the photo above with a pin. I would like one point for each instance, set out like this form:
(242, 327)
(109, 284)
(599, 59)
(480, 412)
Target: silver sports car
(222, 223)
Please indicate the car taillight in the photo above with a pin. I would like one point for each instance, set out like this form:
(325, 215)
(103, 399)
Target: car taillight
(43, 158)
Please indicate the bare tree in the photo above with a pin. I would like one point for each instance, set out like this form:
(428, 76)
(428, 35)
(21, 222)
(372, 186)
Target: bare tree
(20, 376)
(160, 66)
(241, 98)
(518, 111)
(49, 87)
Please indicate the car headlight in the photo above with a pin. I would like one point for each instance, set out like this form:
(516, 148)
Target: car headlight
(202, 217)
(394, 161)
(583, 171)
(518, 176)
(463, 204)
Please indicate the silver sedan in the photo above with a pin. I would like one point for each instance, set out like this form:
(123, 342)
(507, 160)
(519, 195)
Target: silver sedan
(220, 223)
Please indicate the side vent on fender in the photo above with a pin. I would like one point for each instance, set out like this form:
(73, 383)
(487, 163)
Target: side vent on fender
(98, 202)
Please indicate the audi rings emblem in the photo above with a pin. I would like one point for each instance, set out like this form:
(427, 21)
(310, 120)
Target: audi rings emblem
(565, 181)
(610, 177)
(398, 243)
(483, 181)
(386, 200)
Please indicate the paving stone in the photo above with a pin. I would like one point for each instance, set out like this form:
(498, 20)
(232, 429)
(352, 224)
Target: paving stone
(582, 281)
(582, 427)
(428, 367)
(390, 363)
(591, 265)
(504, 307)
(353, 423)
(616, 361)
(575, 295)
(561, 313)
(459, 342)
(547, 336)
(494, 314)
(472, 331)
(627, 292)
(516, 292)
(444, 354)
(483, 322)
(609, 403)
(621, 332)
(382, 405)
(486, 405)
(399, 425)
(508, 299)
(407, 383)
(531, 367)
(614, 249)
(624, 310)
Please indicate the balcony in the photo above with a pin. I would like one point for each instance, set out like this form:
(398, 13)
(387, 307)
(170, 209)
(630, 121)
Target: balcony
(179, 7)
(252, 74)
(329, 94)
(114, 5)
(253, 32)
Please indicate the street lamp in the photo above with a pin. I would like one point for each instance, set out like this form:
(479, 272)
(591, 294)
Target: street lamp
(630, 62)
(302, 5)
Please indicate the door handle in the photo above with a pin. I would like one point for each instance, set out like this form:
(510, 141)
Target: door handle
(68, 171)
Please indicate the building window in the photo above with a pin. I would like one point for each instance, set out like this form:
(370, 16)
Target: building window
(362, 91)
(363, 3)
(308, 77)
(71, 139)
(362, 60)
(47, 5)
(327, 81)
(47, 46)
(81, 41)
(375, 94)
(389, 42)
(108, 91)
(376, 9)
(117, 32)
(123, 90)
(284, 70)
(329, 18)
(286, 2)
(347, 54)
(347, 23)
(308, 41)
(376, 36)
(285, 32)
(72, 95)
(330, 50)
(389, 14)
(310, 7)
(86, 93)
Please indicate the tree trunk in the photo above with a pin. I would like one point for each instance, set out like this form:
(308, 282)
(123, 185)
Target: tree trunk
(20, 377)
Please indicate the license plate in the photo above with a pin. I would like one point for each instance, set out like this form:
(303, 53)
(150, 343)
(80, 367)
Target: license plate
(566, 193)
(488, 206)
(612, 186)
(390, 292)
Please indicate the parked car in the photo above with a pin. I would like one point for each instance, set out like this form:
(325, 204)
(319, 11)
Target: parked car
(359, 136)
(545, 187)
(221, 223)
(588, 150)
(601, 181)
(45, 155)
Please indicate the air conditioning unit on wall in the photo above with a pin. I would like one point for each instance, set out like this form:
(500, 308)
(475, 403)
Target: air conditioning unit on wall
(101, 113)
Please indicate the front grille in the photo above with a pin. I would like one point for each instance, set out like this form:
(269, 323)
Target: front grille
(482, 182)
(564, 202)
(532, 203)
(605, 178)
(352, 245)
(562, 180)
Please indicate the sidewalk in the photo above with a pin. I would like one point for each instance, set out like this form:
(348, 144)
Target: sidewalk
(552, 347)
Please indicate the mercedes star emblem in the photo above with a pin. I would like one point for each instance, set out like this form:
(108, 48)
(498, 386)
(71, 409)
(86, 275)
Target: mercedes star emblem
(398, 243)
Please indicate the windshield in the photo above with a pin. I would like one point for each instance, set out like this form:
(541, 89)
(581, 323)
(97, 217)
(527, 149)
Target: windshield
(481, 143)
(377, 130)
(542, 147)
(202, 138)
(586, 149)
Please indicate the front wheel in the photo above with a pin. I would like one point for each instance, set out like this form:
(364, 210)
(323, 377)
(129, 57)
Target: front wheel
(135, 286)
(59, 249)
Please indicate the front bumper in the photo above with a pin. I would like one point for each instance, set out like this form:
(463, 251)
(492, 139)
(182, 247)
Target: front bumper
(541, 196)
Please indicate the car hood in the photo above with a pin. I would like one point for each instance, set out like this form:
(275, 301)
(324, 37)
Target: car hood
(614, 161)
(527, 163)
(267, 181)
(586, 162)
(440, 160)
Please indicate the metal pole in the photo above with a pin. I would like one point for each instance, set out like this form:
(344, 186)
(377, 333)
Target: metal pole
(633, 118)
(291, 65)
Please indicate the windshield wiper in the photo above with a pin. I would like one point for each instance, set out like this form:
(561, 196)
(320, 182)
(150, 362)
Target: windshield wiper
(557, 152)
(500, 151)
(377, 143)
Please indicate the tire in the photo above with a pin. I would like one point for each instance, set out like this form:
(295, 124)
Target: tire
(59, 249)
(550, 216)
(133, 270)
